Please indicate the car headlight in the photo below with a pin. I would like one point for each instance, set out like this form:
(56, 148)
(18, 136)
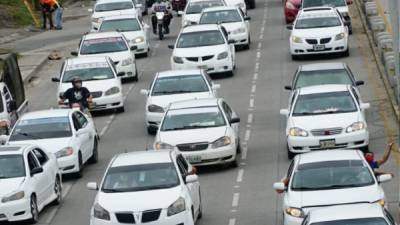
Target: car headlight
(138, 40)
(381, 202)
(161, 145)
(67, 151)
(127, 61)
(223, 141)
(239, 30)
(155, 108)
(178, 59)
(176, 207)
(296, 212)
(356, 127)
(13, 197)
(340, 36)
(222, 55)
(112, 91)
(297, 132)
(297, 39)
(100, 213)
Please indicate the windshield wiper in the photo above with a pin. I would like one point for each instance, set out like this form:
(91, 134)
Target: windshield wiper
(112, 190)
(28, 135)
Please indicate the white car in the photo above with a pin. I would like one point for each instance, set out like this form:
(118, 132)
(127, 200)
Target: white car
(147, 187)
(30, 180)
(325, 178)
(113, 45)
(325, 117)
(232, 19)
(98, 75)
(193, 10)
(205, 47)
(67, 133)
(319, 30)
(175, 85)
(134, 30)
(241, 4)
(105, 8)
(350, 214)
(206, 131)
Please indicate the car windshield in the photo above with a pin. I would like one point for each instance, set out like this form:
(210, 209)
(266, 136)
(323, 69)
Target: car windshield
(114, 6)
(223, 16)
(103, 45)
(11, 166)
(200, 39)
(87, 72)
(179, 85)
(140, 178)
(317, 22)
(193, 118)
(317, 3)
(331, 175)
(197, 7)
(324, 103)
(43, 128)
(122, 25)
(360, 221)
(320, 77)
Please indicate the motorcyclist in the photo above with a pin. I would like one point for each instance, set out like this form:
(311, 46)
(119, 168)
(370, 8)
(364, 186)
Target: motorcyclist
(161, 6)
(77, 94)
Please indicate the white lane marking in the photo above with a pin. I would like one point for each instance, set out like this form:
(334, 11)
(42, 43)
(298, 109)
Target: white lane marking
(51, 214)
(251, 103)
(244, 152)
(243, 164)
(66, 189)
(236, 186)
(235, 200)
(233, 210)
(255, 76)
(258, 54)
(253, 88)
(256, 66)
(259, 45)
(247, 135)
(250, 118)
(239, 177)
(232, 221)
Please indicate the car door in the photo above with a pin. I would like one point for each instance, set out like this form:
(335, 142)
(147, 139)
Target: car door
(229, 115)
(82, 135)
(193, 188)
(48, 171)
(38, 181)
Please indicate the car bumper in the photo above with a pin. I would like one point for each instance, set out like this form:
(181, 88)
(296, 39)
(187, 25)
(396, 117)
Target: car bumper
(353, 140)
(68, 164)
(141, 47)
(108, 102)
(291, 220)
(210, 156)
(130, 70)
(330, 47)
(240, 39)
(15, 210)
(211, 66)
(153, 120)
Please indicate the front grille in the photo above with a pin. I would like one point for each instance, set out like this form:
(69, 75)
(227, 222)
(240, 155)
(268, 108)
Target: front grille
(312, 41)
(324, 40)
(327, 132)
(96, 94)
(325, 50)
(125, 218)
(193, 147)
(193, 59)
(207, 57)
(151, 215)
(2, 216)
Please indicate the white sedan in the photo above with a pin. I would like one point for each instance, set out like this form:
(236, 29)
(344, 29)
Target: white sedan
(134, 30)
(69, 134)
(206, 131)
(325, 178)
(193, 10)
(175, 85)
(99, 76)
(205, 47)
(30, 180)
(325, 117)
(232, 19)
(147, 187)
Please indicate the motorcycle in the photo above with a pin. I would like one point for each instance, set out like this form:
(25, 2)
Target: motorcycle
(160, 24)
(77, 107)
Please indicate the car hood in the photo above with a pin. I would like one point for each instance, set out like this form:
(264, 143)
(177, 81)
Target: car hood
(94, 85)
(115, 56)
(192, 17)
(324, 121)
(10, 185)
(233, 26)
(199, 51)
(52, 145)
(131, 35)
(192, 136)
(318, 32)
(304, 199)
(114, 13)
(139, 200)
(165, 100)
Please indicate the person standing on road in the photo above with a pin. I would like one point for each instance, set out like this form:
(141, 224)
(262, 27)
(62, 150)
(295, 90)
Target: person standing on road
(47, 13)
(375, 164)
(58, 14)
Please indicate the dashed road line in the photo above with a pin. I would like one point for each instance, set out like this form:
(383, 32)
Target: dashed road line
(240, 175)
(232, 221)
(235, 200)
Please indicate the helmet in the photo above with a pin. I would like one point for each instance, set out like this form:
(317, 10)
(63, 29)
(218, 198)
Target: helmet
(76, 80)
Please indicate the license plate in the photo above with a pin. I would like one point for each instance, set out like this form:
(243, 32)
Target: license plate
(194, 158)
(319, 47)
(327, 143)
(202, 67)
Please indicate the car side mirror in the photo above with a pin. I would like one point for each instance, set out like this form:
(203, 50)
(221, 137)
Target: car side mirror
(289, 26)
(120, 74)
(92, 186)
(365, 106)
(235, 120)
(279, 186)
(216, 86)
(359, 82)
(230, 41)
(74, 53)
(12, 106)
(55, 79)
(247, 18)
(384, 178)
(144, 92)
(288, 87)
(36, 170)
(171, 46)
(192, 178)
(90, 10)
(133, 48)
(284, 112)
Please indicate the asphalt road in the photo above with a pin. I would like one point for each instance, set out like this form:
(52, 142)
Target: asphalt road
(244, 195)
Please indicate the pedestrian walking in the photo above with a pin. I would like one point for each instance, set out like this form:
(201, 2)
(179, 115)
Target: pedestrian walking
(58, 14)
(47, 9)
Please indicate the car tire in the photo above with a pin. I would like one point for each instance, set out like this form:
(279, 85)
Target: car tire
(34, 211)
(151, 131)
(58, 191)
(235, 163)
(290, 154)
(136, 78)
(79, 174)
(95, 155)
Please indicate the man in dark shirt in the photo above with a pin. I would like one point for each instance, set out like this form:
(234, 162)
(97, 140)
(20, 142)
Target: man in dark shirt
(77, 94)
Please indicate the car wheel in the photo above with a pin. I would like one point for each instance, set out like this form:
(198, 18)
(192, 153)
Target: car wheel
(57, 191)
(136, 78)
(34, 210)
(235, 163)
(95, 155)
(290, 154)
(80, 162)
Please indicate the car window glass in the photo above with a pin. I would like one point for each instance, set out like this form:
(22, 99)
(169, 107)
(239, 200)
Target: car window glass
(6, 94)
(290, 170)
(32, 162)
(227, 110)
(181, 167)
(355, 95)
(77, 125)
(81, 119)
(208, 78)
(41, 156)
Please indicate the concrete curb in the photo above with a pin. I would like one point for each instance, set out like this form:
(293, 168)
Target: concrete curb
(74, 17)
(27, 77)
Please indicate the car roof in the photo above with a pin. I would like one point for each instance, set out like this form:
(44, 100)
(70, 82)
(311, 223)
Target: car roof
(317, 12)
(122, 16)
(343, 212)
(49, 113)
(200, 27)
(102, 35)
(322, 66)
(326, 88)
(84, 60)
(142, 157)
(172, 73)
(220, 8)
(111, 1)
(13, 149)
(194, 103)
(329, 155)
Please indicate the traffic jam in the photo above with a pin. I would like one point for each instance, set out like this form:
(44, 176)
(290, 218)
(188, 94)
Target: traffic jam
(194, 122)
